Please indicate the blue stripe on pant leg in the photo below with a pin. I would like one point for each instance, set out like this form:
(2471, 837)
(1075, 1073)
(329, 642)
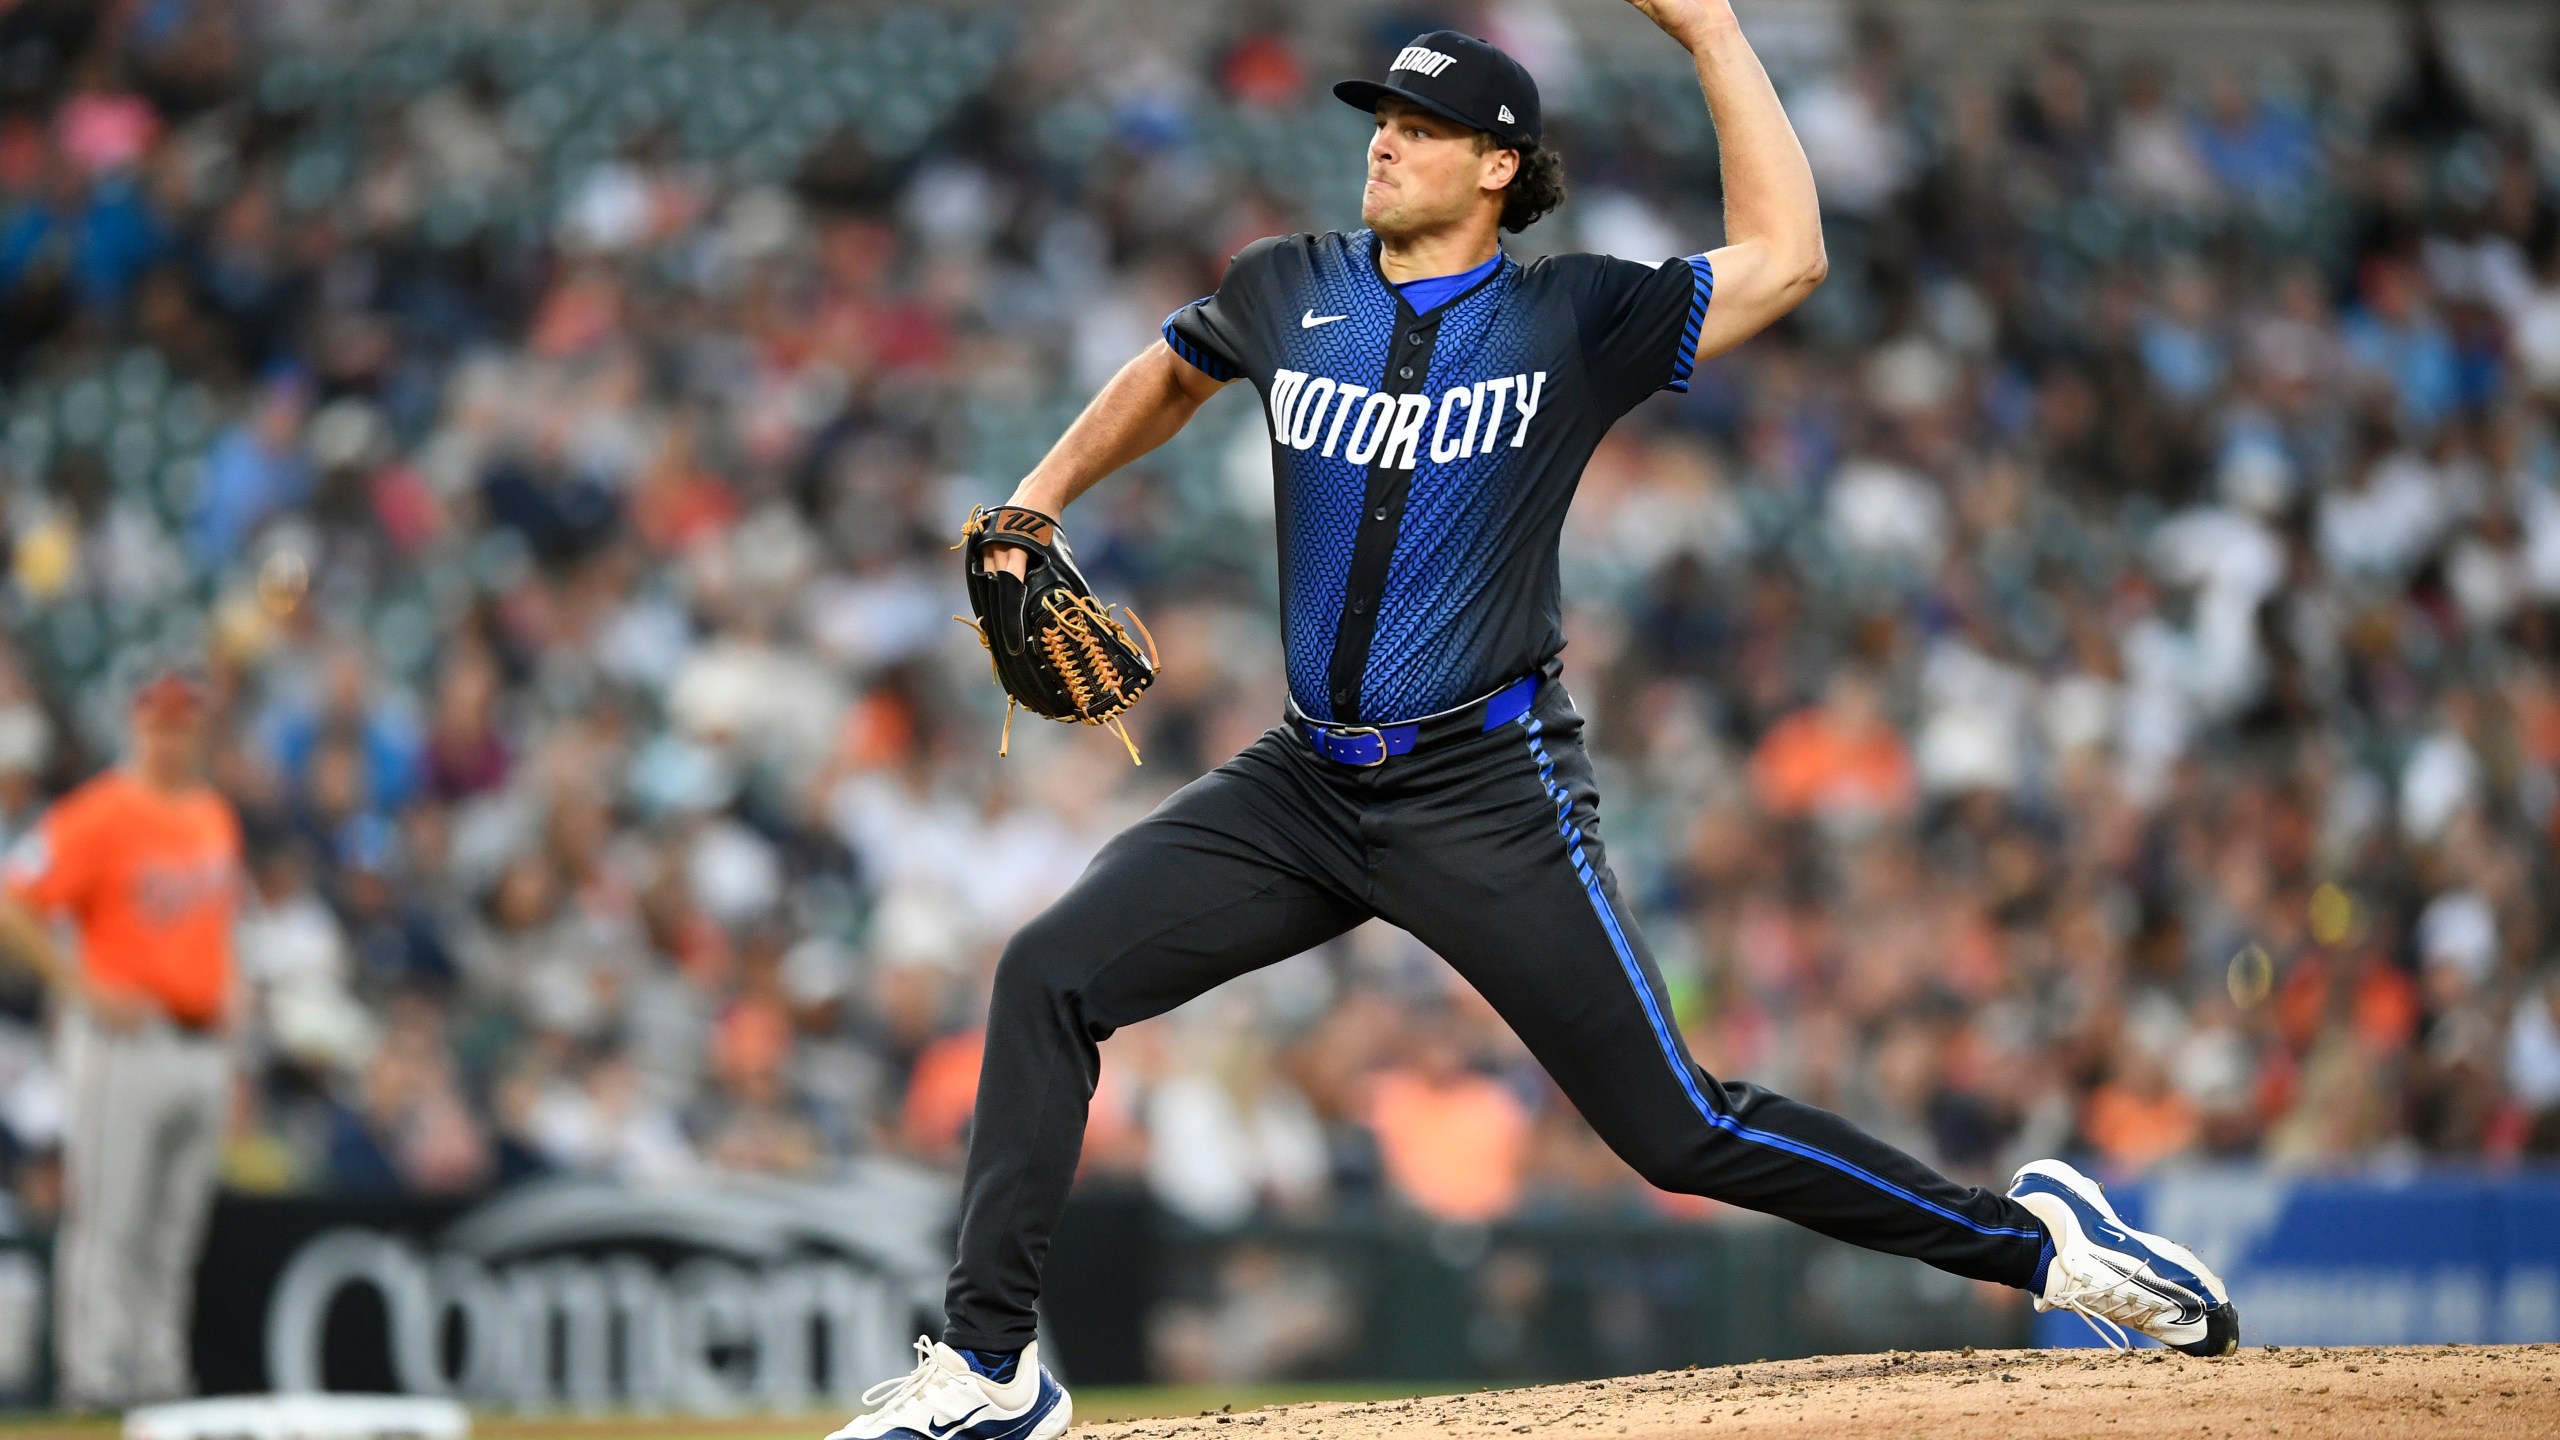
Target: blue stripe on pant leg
(1662, 1028)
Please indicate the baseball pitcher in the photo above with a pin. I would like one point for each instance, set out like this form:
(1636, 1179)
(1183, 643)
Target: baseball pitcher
(1431, 403)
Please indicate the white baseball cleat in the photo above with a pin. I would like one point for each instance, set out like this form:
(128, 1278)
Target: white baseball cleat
(2118, 1278)
(943, 1399)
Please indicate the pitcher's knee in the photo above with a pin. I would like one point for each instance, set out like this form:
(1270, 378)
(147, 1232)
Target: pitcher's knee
(1678, 1163)
(1045, 961)
(1664, 1172)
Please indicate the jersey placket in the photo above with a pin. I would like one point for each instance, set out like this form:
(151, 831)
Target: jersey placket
(1382, 505)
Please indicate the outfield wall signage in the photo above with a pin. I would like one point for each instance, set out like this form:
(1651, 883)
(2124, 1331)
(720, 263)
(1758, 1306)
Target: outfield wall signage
(573, 1295)
(2427, 1258)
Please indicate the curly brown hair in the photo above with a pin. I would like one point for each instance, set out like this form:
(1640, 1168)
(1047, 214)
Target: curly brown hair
(1536, 189)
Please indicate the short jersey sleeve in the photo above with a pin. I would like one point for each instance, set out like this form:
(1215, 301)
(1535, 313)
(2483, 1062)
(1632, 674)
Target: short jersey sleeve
(1219, 333)
(1640, 323)
(52, 868)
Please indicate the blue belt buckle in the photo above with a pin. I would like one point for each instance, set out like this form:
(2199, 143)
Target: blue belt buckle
(1342, 743)
(1365, 747)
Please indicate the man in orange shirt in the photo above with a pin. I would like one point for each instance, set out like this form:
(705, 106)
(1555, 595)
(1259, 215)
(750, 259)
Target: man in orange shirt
(1840, 761)
(1453, 1141)
(143, 862)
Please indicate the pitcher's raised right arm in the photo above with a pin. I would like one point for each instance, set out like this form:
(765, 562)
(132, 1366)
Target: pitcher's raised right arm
(1772, 257)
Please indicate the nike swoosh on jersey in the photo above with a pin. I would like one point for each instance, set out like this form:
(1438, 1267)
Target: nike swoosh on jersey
(1311, 320)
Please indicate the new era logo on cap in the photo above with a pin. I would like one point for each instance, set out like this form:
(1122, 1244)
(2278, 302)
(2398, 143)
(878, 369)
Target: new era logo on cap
(1505, 116)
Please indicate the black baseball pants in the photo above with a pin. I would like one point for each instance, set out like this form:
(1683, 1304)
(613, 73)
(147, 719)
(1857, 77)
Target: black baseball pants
(1487, 849)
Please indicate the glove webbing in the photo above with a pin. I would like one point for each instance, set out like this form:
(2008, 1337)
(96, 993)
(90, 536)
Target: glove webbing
(1077, 615)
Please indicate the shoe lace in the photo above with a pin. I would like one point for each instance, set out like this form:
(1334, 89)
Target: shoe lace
(2093, 1300)
(898, 1388)
(2106, 1330)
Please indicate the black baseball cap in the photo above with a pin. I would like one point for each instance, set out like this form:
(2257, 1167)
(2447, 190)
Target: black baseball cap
(1463, 78)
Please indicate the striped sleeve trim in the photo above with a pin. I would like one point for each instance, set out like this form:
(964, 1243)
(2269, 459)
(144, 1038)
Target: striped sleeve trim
(1702, 289)
(1201, 360)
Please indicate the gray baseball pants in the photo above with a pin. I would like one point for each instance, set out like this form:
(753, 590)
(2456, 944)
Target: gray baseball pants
(142, 1144)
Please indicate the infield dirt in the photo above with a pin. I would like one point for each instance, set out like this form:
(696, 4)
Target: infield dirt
(2395, 1394)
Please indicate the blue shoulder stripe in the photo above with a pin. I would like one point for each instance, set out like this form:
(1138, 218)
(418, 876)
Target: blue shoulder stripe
(1201, 360)
(1702, 289)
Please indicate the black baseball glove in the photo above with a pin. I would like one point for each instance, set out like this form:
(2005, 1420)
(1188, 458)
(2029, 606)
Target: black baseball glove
(1057, 651)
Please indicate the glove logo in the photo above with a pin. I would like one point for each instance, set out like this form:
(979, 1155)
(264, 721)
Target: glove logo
(1015, 521)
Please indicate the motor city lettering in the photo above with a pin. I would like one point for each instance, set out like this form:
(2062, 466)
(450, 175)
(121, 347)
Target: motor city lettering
(1320, 413)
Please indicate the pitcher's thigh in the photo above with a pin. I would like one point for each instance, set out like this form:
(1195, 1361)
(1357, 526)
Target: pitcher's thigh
(1233, 873)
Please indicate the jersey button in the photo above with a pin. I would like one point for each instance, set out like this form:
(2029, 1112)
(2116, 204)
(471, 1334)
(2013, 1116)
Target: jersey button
(1405, 373)
(1360, 606)
(1378, 514)
(1413, 337)
(1341, 699)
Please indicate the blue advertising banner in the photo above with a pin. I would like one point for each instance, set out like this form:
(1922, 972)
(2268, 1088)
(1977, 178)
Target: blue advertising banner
(2426, 1259)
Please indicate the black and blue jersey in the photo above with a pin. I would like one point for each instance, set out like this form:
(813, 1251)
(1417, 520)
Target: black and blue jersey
(1425, 461)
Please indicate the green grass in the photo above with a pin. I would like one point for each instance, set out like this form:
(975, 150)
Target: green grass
(42, 1425)
(1102, 1403)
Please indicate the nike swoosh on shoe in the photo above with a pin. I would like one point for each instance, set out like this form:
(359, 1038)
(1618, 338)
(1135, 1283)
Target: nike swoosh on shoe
(2190, 1310)
(2099, 1227)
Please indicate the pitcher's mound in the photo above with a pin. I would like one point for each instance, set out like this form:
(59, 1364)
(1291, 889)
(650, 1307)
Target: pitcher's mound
(2396, 1394)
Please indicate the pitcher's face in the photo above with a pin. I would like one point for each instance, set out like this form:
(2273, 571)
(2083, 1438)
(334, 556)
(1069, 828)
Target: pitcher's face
(1428, 172)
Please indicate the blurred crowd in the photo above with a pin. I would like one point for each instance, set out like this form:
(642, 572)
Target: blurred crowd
(2088, 684)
